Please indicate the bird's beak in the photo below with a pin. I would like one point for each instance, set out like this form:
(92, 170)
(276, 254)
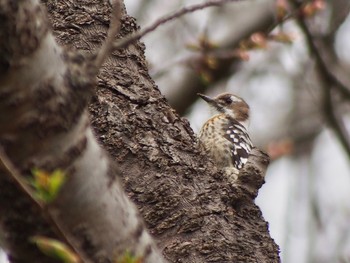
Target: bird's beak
(207, 99)
(212, 102)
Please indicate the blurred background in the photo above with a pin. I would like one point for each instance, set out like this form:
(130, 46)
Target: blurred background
(290, 60)
(300, 111)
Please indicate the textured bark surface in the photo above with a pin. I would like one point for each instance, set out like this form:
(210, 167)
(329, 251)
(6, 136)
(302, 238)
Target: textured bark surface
(193, 211)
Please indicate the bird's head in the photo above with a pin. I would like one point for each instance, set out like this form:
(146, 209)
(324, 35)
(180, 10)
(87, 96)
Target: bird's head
(231, 105)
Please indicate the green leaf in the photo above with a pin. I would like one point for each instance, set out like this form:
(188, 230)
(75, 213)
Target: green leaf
(47, 185)
(55, 249)
(129, 258)
(57, 180)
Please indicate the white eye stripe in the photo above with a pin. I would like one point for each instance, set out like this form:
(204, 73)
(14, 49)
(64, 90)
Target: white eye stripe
(235, 99)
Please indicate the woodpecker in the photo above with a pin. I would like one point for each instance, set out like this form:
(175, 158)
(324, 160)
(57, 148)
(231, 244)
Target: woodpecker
(224, 136)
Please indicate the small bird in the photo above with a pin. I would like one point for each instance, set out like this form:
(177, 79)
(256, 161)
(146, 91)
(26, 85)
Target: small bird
(224, 136)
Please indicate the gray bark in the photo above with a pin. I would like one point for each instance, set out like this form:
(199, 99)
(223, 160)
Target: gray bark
(190, 208)
(44, 124)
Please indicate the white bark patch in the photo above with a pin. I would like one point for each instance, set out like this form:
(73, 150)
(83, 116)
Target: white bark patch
(44, 123)
(45, 63)
(104, 213)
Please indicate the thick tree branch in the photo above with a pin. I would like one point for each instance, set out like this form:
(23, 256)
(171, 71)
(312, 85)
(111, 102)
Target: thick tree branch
(189, 206)
(44, 124)
(187, 203)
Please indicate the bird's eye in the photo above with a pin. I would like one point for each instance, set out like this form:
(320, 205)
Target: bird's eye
(228, 100)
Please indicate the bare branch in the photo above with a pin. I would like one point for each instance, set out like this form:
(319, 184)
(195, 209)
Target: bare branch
(114, 28)
(328, 73)
(331, 82)
(335, 121)
(248, 18)
(128, 40)
(7, 165)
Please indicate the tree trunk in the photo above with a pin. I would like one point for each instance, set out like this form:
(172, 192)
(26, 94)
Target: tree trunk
(194, 212)
(44, 125)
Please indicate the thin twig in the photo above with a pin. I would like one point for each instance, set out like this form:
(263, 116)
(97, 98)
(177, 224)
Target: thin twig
(337, 124)
(9, 168)
(315, 52)
(114, 28)
(183, 11)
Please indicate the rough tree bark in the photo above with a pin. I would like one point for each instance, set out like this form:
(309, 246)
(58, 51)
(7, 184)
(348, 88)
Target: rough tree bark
(192, 210)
